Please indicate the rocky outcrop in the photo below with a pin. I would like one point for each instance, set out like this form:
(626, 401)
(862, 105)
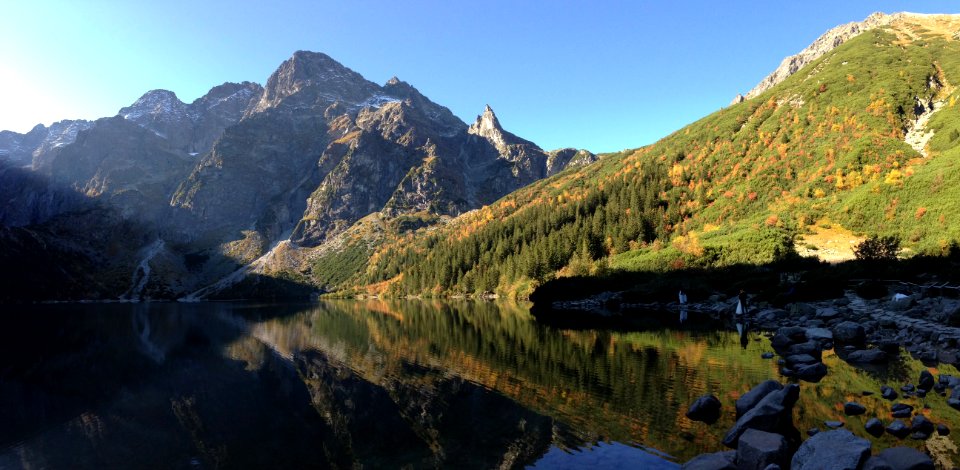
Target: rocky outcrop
(559, 160)
(26, 149)
(827, 42)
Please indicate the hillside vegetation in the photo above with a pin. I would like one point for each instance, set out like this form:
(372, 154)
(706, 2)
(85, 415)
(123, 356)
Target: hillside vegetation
(736, 187)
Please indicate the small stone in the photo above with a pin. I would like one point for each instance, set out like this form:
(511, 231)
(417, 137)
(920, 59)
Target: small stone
(901, 410)
(898, 428)
(767, 355)
(874, 426)
(888, 392)
(943, 430)
(833, 424)
(908, 388)
(853, 408)
(812, 431)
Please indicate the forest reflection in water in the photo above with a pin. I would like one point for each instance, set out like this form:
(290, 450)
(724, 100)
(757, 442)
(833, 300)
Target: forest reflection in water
(385, 383)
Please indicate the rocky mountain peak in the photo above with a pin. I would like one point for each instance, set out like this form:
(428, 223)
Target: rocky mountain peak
(393, 81)
(486, 124)
(328, 80)
(155, 105)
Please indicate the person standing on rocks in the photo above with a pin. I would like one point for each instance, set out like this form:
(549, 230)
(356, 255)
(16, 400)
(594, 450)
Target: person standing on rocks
(741, 303)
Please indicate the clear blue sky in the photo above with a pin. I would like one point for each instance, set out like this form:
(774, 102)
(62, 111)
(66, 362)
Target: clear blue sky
(602, 75)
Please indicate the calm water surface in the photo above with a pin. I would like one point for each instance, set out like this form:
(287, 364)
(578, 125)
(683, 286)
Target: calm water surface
(387, 385)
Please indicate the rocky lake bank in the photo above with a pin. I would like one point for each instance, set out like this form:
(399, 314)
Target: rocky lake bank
(869, 326)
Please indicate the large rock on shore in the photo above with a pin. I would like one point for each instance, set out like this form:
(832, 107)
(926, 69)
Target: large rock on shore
(773, 413)
(831, 450)
(759, 449)
(848, 332)
(867, 356)
(750, 399)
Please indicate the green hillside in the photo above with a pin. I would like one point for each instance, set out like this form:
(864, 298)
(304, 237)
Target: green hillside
(738, 186)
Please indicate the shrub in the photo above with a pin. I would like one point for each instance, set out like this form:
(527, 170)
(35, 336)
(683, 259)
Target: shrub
(877, 248)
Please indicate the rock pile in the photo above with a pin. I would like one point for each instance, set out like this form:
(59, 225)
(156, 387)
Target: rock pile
(765, 438)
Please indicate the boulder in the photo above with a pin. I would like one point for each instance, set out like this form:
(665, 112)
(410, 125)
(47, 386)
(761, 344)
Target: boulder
(848, 332)
(827, 313)
(780, 341)
(874, 426)
(921, 427)
(943, 430)
(835, 450)
(906, 458)
(772, 413)
(810, 347)
(926, 381)
(867, 356)
(798, 359)
(819, 334)
(758, 449)
(898, 428)
(901, 410)
(715, 461)
(888, 392)
(706, 409)
(853, 408)
(811, 372)
(795, 333)
(750, 399)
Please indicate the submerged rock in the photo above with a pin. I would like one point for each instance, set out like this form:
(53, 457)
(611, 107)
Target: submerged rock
(889, 393)
(705, 409)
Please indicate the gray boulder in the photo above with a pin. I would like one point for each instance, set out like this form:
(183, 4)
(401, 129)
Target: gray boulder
(798, 359)
(831, 450)
(750, 399)
(759, 449)
(819, 334)
(810, 347)
(811, 372)
(888, 392)
(898, 428)
(827, 313)
(774, 412)
(867, 356)
(715, 461)
(848, 332)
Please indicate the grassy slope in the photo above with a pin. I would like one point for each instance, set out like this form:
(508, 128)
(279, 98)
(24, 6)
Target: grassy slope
(733, 187)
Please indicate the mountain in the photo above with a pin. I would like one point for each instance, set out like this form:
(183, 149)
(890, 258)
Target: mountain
(860, 139)
(215, 184)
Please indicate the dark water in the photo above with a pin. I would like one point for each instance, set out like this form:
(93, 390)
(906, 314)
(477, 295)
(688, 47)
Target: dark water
(387, 385)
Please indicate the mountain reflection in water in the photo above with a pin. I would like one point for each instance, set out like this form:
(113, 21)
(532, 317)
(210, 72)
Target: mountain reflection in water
(380, 384)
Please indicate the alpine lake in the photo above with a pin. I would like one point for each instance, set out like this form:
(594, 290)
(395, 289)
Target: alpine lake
(394, 384)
